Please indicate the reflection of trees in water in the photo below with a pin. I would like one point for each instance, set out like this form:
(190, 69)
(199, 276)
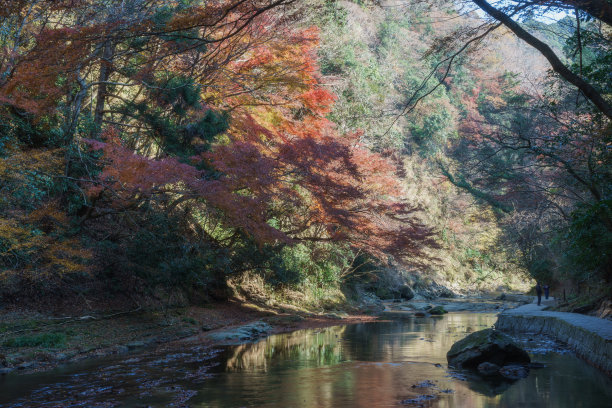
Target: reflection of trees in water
(303, 368)
(399, 340)
(376, 365)
(306, 347)
(421, 339)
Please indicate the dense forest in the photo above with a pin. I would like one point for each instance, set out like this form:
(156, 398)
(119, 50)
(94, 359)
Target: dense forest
(314, 151)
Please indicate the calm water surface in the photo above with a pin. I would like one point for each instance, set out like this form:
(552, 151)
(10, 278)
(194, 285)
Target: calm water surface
(376, 364)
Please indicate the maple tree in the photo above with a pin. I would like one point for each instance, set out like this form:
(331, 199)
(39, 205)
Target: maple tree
(208, 113)
(283, 174)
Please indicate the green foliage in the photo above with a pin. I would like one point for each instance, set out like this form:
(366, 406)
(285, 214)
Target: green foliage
(22, 128)
(434, 130)
(588, 51)
(383, 75)
(160, 253)
(289, 266)
(320, 264)
(46, 340)
(589, 241)
(178, 125)
(177, 92)
(206, 128)
(542, 268)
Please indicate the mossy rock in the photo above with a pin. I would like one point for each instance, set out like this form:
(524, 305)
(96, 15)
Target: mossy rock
(45, 340)
(438, 310)
(487, 345)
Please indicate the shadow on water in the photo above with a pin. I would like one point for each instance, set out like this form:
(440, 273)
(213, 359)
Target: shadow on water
(365, 365)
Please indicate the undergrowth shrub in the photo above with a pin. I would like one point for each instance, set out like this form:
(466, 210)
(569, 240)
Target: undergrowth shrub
(46, 340)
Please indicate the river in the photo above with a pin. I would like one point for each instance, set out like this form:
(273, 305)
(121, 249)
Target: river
(379, 364)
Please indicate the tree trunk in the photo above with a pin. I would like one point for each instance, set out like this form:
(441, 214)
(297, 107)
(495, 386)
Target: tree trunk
(77, 104)
(105, 71)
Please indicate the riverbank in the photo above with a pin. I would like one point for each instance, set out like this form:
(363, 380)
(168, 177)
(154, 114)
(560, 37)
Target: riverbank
(590, 337)
(424, 307)
(33, 341)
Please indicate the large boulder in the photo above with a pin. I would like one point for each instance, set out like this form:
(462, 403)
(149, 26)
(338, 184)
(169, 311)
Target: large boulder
(406, 292)
(487, 345)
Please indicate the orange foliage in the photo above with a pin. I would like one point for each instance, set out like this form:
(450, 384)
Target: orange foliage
(281, 173)
(36, 244)
(282, 161)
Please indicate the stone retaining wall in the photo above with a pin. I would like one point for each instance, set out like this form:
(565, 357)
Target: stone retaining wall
(589, 345)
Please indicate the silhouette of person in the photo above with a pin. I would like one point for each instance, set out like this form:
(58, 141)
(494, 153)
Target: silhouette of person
(546, 291)
(539, 292)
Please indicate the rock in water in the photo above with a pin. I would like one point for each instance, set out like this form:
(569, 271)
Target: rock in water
(241, 334)
(514, 372)
(438, 310)
(486, 345)
(487, 368)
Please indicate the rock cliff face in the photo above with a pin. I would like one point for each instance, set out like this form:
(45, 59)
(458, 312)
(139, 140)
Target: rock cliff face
(589, 337)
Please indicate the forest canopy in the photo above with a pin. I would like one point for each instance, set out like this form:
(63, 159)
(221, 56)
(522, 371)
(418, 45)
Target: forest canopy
(315, 144)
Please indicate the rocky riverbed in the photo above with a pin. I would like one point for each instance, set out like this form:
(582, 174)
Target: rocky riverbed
(421, 307)
(388, 362)
(31, 342)
(37, 342)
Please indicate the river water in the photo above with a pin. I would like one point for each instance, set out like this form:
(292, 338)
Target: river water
(379, 364)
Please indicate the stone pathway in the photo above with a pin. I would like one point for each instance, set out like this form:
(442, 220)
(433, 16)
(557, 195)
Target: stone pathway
(601, 327)
(589, 336)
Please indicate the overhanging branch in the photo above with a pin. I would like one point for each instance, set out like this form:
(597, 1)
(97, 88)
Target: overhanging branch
(587, 89)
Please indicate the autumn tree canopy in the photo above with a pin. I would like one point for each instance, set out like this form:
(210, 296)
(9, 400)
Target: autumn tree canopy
(184, 143)
(213, 113)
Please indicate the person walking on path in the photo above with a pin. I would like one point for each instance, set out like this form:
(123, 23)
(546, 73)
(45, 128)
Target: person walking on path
(546, 291)
(539, 292)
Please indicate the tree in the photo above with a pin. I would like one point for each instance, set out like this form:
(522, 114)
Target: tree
(505, 14)
(546, 165)
(599, 9)
(283, 175)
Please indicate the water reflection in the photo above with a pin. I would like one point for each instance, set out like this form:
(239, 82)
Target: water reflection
(366, 365)
(378, 365)
(303, 348)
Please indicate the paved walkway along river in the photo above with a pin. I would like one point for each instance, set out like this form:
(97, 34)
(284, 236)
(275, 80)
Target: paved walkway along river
(589, 336)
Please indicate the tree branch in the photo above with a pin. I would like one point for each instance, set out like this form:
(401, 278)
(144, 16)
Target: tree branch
(587, 89)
